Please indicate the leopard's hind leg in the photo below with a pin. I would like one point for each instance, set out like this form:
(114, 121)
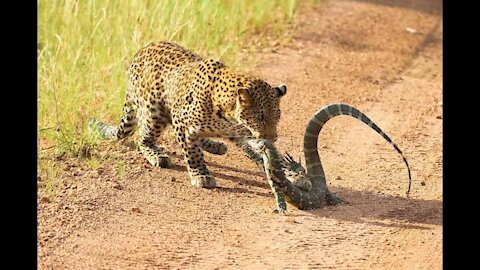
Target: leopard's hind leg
(152, 123)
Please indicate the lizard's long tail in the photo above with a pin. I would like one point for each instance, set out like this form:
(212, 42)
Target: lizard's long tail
(312, 159)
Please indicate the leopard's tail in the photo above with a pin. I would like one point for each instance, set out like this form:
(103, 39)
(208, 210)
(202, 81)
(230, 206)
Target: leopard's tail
(126, 127)
(316, 123)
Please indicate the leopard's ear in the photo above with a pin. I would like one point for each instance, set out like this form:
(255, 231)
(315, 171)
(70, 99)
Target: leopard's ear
(281, 90)
(244, 98)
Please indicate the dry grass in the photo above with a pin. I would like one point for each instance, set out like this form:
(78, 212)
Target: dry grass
(84, 48)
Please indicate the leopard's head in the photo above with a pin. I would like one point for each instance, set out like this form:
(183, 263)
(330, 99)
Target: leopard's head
(258, 108)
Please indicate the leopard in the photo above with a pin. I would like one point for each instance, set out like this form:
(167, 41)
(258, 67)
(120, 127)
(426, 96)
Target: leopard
(200, 98)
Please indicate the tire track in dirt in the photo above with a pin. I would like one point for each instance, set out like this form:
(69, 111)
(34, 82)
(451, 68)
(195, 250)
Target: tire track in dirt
(356, 52)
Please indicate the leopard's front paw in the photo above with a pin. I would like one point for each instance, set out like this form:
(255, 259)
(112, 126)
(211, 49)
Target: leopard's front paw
(216, 148)
(162, 161)
(203, 181)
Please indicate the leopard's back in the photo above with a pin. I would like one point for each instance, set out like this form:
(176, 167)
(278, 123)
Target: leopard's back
(154, 63)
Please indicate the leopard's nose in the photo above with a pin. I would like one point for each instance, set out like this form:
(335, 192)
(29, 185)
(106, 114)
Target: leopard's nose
(271, 136)
(270, 133)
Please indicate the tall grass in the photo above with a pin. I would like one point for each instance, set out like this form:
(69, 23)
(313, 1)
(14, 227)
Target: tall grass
(84, 48)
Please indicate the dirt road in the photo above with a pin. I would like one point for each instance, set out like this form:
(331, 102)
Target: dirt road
(384, 59)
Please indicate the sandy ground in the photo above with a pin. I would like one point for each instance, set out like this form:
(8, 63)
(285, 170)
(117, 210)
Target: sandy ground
(126, 214)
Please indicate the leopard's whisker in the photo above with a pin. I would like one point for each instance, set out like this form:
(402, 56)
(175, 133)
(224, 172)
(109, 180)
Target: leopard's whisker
(238, 136)
(241, 137)
(239, 133)
(235, 128)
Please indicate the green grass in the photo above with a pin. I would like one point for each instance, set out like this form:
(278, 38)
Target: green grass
(49, 180)
(84, 48)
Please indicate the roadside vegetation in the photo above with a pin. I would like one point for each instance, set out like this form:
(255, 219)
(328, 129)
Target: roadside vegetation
(84, 48)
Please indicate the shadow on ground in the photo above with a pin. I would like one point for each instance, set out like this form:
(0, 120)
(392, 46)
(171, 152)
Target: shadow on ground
(383, 210)
(364, 206)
